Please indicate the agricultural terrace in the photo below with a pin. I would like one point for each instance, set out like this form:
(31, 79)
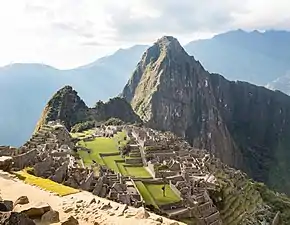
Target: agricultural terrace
(105, 151)
(45, 184)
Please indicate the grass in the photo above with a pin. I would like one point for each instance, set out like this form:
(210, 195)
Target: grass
(157, 193)
(46, 184)
(97, 146)
(110, 161)
(83, 134)
(147, 197)
(153, 194)
(139, 172)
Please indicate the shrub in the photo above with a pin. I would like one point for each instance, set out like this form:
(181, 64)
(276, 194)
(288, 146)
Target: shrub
(114, 122)
(83, 126)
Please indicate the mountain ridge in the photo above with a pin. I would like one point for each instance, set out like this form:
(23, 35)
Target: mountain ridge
(31, 85)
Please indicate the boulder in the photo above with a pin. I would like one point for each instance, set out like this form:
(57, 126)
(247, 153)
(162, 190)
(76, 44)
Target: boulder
(60, 174)
(14, 218)
(41, 167)
(3, 207)
(21, 201)
(6, 163)
(8, 204)
(34, 211)
(50, 217)
(70, 221)
(86, 184)
(159, 219)
(103, 192)
(106, 206)
(142, 214)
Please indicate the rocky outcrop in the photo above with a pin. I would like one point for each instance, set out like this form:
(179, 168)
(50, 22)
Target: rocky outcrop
(115, 108)
(66, 106)
(5, 163)
(242, 124)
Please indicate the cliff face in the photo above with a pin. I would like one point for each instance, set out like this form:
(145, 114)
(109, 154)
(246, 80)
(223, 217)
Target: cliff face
(258, 120)
(242, 124)
(69, 108)
(170, 90)
(115, 108)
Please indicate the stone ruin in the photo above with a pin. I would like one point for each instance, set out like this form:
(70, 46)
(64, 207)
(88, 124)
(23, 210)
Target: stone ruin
(51, 154)
(184, 168)
(117, 188)
(189, 172)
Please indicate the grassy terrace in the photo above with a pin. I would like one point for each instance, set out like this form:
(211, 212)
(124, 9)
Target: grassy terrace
(82, 134)
(103, 145)
(46, 184)
(151, 193)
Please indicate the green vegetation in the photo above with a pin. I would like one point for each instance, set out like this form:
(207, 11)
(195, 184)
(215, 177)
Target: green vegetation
(82, 135)
(45, 184)
(114, 121)
(79, 127)
(105, 152)
(153, 194)
(101, 146)
(148, 198)
(278, 202)
(97, 146)
(137, 171)
(157, 193)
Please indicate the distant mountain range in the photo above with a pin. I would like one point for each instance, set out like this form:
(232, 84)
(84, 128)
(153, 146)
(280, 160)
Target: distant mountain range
(255, 57)
(25, 89)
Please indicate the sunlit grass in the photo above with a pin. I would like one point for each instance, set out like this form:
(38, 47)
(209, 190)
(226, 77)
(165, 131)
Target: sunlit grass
(46, 184)
(157, 193)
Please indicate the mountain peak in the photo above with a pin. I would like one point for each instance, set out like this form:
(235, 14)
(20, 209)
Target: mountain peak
(65, 105)
(169, 43)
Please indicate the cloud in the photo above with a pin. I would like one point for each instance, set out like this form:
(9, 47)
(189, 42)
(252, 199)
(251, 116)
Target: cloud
(80, 31)
(92, 43)
(83, 30)
(176, 17)
(187, 17)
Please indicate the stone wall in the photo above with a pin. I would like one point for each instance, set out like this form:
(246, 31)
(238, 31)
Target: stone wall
(25, 159)
(7, 151)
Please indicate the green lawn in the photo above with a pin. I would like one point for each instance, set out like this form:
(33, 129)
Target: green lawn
(147, 197)
(46, 184)
(121, 167)
(110, 162)
(97, 146)
(139, 171)
(153, 194)
(157, 193)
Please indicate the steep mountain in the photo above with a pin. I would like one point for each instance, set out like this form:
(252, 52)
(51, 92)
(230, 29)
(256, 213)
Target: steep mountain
(256, 57)
(67, 107)
(246, 126)
(25, 89)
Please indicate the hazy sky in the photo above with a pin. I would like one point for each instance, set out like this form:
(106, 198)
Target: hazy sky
(69, 33)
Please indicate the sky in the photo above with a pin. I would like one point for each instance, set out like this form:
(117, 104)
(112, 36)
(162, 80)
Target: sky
(69, 33)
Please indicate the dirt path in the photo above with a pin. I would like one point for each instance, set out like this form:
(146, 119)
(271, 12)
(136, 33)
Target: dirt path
(79, 205)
